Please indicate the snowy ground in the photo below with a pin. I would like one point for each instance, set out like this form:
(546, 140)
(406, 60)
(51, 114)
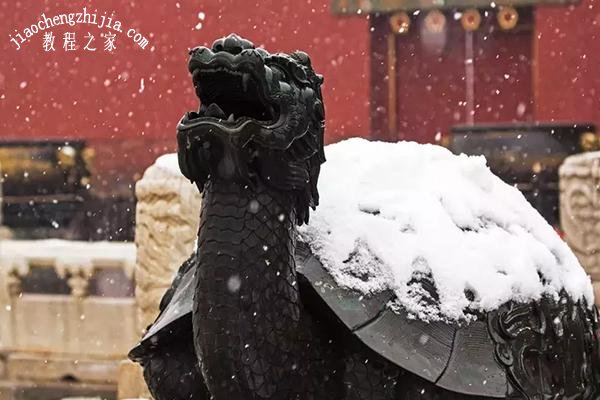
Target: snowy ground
(390, 212)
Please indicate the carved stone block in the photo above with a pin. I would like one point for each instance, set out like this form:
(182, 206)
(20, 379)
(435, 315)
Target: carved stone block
(579, 183)
(168, 206)
(131, 381)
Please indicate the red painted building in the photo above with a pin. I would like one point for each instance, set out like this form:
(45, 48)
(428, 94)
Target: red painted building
(540, 70)
(378, 84)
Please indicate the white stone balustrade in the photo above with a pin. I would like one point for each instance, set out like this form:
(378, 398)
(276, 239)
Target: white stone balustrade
(71, 335)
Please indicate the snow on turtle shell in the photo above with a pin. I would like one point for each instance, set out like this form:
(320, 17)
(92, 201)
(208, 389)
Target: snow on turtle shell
(391, 211)
(431, 260)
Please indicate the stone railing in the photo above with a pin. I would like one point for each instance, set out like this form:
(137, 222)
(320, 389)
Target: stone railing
(67, 314)
(580, 211)
(168, 207)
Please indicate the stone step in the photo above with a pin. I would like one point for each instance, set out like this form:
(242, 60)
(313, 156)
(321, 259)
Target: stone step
(24, 390)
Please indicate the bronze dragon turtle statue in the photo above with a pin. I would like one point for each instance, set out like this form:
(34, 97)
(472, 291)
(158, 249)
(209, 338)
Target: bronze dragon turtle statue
(254, 315)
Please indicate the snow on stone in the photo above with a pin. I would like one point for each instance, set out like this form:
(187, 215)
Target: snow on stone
(392, 212)
(20, 254)
(169, 163)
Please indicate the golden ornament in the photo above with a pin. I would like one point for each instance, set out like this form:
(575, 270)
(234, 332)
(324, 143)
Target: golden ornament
(470, 20)
(400, 22)
(507, 18)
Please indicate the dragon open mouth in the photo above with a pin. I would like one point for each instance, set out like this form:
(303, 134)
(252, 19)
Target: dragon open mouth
(261, 119)
(232, 96)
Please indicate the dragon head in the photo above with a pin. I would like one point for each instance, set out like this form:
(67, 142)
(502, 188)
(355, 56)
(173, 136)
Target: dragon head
(261, 119)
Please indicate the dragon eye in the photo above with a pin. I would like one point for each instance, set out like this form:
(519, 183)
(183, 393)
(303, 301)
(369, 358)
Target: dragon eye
(278, 73)
(300, 74)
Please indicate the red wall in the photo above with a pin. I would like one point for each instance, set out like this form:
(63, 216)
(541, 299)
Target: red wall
(568, 47)
(96, 96)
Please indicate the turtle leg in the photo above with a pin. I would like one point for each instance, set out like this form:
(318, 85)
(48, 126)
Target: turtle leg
(171, 371)
(369, 377)
(413, 387)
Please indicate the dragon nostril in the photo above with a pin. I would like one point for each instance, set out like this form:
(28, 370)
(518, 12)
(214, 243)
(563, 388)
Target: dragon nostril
(218, 45)
(235, 44)
(234, 50)
(232, 44)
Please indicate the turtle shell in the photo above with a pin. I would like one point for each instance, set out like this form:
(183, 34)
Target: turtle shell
(175, 314)
(518, 351)
(457, 359)
(532, 350)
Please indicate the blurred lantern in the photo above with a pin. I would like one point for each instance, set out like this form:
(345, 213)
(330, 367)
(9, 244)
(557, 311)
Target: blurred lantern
(66, 156)
(435, 21)
(507, 18)
(470, 20)
(589, 141)
(400, 22)
(365, 6)
(343, 5)
(434, 33)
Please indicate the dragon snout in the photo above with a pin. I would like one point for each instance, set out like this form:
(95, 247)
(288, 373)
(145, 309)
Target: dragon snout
(232, 44)
(231, 52)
